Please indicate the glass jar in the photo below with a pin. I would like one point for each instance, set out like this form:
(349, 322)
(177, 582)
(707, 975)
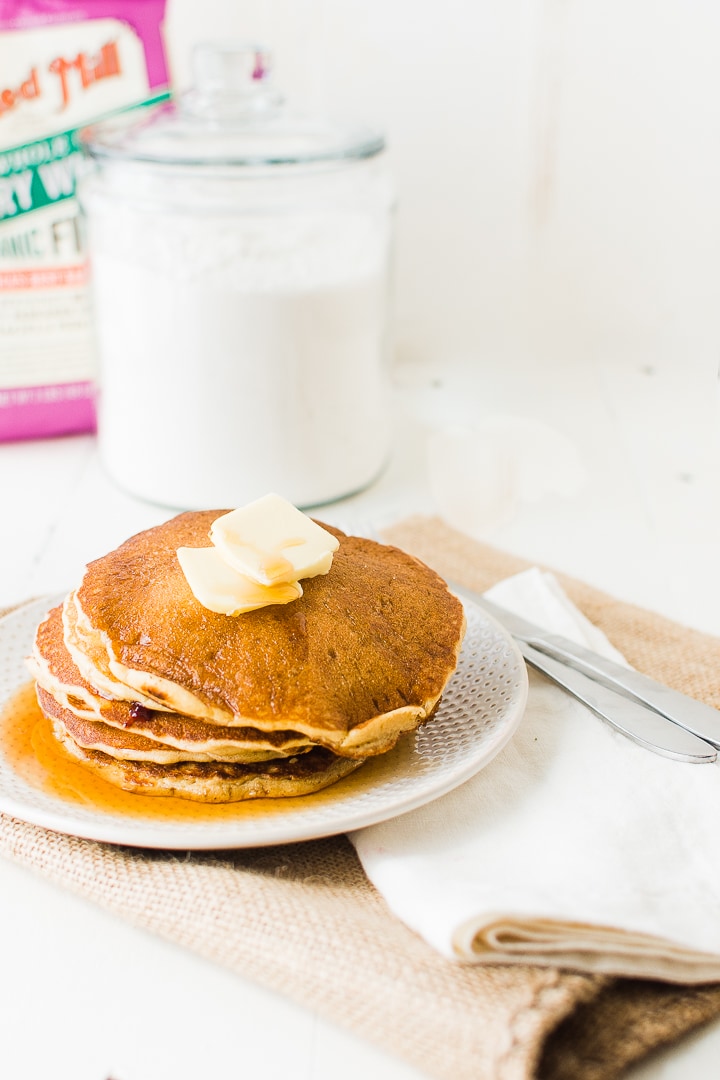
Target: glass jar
(240, 260)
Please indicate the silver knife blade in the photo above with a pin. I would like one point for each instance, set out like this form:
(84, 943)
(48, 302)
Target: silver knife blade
(692, 715)
(643, 725)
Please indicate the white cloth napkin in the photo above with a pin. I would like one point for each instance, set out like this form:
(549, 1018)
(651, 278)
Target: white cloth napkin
(573, 848)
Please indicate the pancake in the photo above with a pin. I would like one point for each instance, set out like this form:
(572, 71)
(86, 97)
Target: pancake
(93, 657)
(132, 745)
(93, 735)
(362, 657)
(64, 695)
(161, 696)
(217, 782)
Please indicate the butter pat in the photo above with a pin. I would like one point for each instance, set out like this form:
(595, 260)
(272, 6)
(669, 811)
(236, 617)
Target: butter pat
(220, 588)
(271, 541)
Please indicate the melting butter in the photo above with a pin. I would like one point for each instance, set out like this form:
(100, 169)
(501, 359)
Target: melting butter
(220, 588)
(271, 541)
(259, 553)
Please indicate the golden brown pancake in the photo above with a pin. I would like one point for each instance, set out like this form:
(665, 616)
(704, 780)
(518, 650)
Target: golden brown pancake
(218, 782)
(64, 695)
(360, 658)
(161, 696)
(130, 745)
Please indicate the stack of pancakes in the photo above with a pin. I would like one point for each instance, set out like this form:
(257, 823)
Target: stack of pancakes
(162, 696)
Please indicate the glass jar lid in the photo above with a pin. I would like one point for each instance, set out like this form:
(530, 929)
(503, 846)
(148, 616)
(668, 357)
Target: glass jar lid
(232, 116)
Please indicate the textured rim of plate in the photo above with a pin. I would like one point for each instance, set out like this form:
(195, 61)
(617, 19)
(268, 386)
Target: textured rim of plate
(491, 675)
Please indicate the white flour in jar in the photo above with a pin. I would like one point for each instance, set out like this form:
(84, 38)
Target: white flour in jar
(241, 355)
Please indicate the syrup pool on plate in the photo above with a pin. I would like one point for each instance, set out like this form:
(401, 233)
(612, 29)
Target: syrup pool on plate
(28, 745)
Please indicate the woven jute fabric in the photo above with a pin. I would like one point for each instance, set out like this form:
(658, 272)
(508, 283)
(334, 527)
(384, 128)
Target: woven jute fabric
(303, 920)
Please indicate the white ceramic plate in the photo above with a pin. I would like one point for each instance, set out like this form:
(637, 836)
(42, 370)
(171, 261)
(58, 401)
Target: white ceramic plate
(479, 712)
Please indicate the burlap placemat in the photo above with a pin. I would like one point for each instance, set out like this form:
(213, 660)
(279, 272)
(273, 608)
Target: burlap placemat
(302, 919)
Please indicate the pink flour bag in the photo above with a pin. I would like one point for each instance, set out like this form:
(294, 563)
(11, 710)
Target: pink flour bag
(63, 64)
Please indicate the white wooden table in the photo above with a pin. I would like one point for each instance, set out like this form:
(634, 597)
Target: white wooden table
(84, 996)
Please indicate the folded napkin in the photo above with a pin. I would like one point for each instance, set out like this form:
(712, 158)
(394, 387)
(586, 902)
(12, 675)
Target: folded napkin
(574, 848)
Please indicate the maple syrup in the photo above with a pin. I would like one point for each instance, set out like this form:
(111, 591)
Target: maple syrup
(28, 745)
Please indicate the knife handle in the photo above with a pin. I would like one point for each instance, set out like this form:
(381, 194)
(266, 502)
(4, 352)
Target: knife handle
(700, 719)
(643, 725)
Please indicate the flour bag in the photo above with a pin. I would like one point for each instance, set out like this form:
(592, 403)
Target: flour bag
(63, 64)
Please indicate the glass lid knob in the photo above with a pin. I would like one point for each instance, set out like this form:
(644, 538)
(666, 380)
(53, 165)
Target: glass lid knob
(231, 80)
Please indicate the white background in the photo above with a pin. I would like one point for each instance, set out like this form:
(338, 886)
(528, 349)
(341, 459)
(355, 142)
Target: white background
(557, 161)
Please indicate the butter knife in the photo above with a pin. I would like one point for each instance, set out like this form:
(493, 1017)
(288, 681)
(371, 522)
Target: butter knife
(653, 715)
(628, 716)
